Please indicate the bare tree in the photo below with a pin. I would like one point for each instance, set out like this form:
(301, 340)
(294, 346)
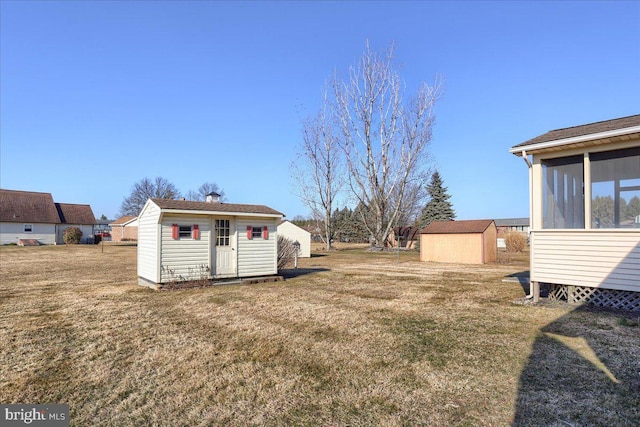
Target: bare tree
(145, 189)
(385, 139)
(203, 191)
(411, 204)
(318, 170)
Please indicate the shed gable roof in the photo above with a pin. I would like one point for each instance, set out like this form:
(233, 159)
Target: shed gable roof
(286, 221)
(597, 128)
(75, 214)
(457, 227)
(123, 220)
(28, 207)
(188, 205)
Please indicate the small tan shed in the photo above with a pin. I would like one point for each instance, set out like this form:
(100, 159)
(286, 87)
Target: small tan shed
(465, 242)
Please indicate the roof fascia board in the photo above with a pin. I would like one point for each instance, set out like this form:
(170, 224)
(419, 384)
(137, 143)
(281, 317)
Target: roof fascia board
(573, 140)
(219, 213)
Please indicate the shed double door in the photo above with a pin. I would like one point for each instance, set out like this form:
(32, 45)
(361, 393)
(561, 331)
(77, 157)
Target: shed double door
(224, 247)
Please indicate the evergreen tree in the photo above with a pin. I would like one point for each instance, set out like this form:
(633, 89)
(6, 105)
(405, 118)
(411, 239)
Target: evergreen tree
(633, 208)
(439, 208)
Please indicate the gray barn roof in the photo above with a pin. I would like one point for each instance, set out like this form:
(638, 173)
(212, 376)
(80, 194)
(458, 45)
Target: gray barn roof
(27, 206)
(512, 222)
(39, 208)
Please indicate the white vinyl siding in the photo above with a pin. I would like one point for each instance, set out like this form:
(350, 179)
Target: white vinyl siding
(10, 232)
(185, 258)
(594, 258)
(87, 231)
(258, 256)
(149, 243)
(162, 259)
(295, 233)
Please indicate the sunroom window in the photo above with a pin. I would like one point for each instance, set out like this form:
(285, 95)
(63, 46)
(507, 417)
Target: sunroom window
(615, 189)
(563, 193)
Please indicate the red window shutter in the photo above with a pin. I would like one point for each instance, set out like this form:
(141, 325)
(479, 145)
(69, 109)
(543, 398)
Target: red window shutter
(174, 231)
(195, 231)
(249, 232)
(265, 232)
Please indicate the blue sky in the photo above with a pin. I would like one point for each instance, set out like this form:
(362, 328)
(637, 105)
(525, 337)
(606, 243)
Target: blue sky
(97, 95)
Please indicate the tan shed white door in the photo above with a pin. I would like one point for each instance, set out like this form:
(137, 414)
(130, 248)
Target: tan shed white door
(224, 247)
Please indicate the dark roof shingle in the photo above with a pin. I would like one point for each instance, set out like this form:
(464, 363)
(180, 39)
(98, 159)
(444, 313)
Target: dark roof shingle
(457, 227)
(214, 207)
(28, 207)
(75, 214)
(588, 129)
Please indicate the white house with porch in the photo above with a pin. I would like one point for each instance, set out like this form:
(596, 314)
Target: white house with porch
(585, 207)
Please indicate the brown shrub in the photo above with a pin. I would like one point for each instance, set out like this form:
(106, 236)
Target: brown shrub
(515, 241)
(72, 236)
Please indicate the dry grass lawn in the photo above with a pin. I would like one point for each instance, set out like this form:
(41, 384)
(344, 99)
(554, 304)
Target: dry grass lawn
(351, 338)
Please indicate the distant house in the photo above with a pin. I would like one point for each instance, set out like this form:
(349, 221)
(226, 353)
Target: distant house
(102, 225)
(33, 215)
(296, 234)
(408, 237)
(72, 215)
(512, 224)
(465, 242)
(184, 240)
(124, 229)
(504, 225)
(585, 212)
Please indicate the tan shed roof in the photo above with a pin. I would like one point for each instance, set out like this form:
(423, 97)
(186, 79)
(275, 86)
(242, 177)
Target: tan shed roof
(214, 207)
(457, 227)
(28, 207)
(75, 214)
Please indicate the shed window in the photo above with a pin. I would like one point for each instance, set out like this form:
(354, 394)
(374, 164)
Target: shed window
(184, 231)
(223, 232)
(563, 193)
(256, 232)
(28, 228)
(615, 189)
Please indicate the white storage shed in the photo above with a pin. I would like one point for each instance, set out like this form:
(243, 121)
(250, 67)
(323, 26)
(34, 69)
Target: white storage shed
(182, 240)
(296, 234)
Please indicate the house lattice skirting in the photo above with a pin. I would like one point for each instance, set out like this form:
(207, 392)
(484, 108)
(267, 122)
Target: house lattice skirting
(611, 298)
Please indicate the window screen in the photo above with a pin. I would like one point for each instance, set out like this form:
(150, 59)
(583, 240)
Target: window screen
(615, 189)
(563, 193)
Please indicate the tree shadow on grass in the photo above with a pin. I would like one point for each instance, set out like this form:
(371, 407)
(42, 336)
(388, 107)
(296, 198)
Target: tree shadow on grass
(584, 370)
